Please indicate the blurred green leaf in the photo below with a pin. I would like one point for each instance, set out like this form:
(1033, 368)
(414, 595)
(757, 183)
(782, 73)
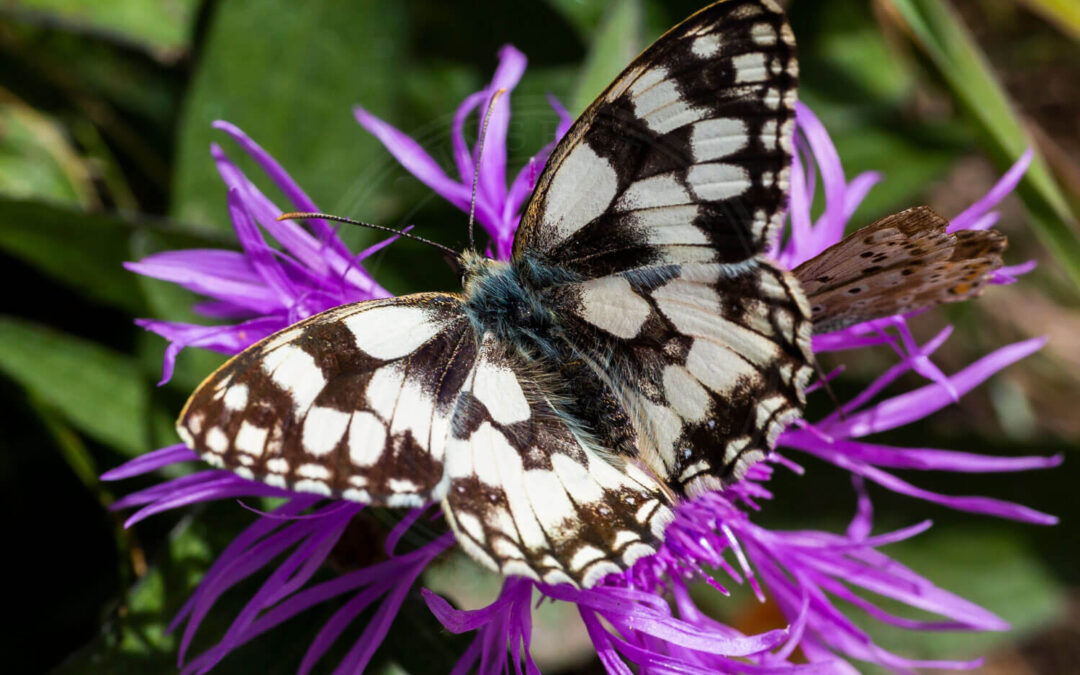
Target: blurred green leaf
(101, 392)
(162, 28)
(842, 55)
(36, 159)
(82, 250)
(136, 640)
(584, 15)
(617, 40)
(1065, 14)
(289, 78)
(86, 251)
(940, 33)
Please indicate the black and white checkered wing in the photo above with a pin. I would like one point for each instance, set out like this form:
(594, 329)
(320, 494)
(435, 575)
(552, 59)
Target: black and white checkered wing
(647, 235)
(531, 495)
(355, 402)
(685, 158)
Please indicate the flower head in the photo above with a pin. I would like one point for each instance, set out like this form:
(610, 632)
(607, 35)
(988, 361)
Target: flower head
(714, 537)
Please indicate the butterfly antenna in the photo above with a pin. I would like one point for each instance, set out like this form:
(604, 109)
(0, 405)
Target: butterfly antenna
(302, 215)
(479, 155)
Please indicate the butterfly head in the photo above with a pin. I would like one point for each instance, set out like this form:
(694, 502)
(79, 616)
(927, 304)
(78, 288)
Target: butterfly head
(474, 269)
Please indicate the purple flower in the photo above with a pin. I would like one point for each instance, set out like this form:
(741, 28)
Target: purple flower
(713, 539)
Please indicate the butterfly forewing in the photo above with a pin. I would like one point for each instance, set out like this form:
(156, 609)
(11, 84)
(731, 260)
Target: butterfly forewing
(684, 158)
(659, 204)
(531, 495)
(354, 402)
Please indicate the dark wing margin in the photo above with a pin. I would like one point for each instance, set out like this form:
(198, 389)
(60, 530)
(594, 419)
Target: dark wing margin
(896, 265)
(530, 495)
(684, 158)
(354, 402)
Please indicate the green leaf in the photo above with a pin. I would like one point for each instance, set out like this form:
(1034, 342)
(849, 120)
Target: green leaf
(36, 160)
(615, 43)
(161, 28)
(584, 15)
(87, 250)
(1065, 14)
(939, 32)
(289, 78)
(81, 250)
(100, 392)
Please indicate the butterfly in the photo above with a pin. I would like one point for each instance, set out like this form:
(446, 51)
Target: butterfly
(638, 349)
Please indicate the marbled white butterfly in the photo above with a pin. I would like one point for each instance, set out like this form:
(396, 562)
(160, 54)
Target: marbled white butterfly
(639, 348)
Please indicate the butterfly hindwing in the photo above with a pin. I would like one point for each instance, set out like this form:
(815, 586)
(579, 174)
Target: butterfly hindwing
(713, 371)
(684, 158)
(354, 402)
(898, 264)
(531, 495)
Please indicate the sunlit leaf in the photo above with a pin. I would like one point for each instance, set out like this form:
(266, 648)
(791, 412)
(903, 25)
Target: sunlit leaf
(37, 160)
(102, 393)
(161, 28)
(289, 79)
(617, 40)
(1065, 14)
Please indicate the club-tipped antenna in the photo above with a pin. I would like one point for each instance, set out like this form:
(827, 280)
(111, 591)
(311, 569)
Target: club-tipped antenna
(479, 156)
(303, 215)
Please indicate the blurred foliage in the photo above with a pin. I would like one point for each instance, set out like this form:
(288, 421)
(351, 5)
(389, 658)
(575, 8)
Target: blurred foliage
(105, 112)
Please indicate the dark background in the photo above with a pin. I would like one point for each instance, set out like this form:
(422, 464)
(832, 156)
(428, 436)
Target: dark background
(104, 135)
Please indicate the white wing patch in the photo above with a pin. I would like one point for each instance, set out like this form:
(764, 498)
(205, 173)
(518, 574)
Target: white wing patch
(611, 304)
(293, 369)
(398, 332)
(584, 187)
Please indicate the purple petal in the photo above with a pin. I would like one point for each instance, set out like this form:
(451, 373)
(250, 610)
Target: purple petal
(237, 568)
(493, 161)
(224, 339)
(613, 663)
(292, 237)
(461, 621)
(420, 164)
(830, 226)
(284, 182)
(915, 405)
(1001, 190)
(151, 461)
(984, 505)
(566, 120)
(1008, 274)
(463, 157)
(857, 190)
(801, 243)
(930, 459)
(414, 158)
(258, 252)
(194, 270)
(666, 627)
